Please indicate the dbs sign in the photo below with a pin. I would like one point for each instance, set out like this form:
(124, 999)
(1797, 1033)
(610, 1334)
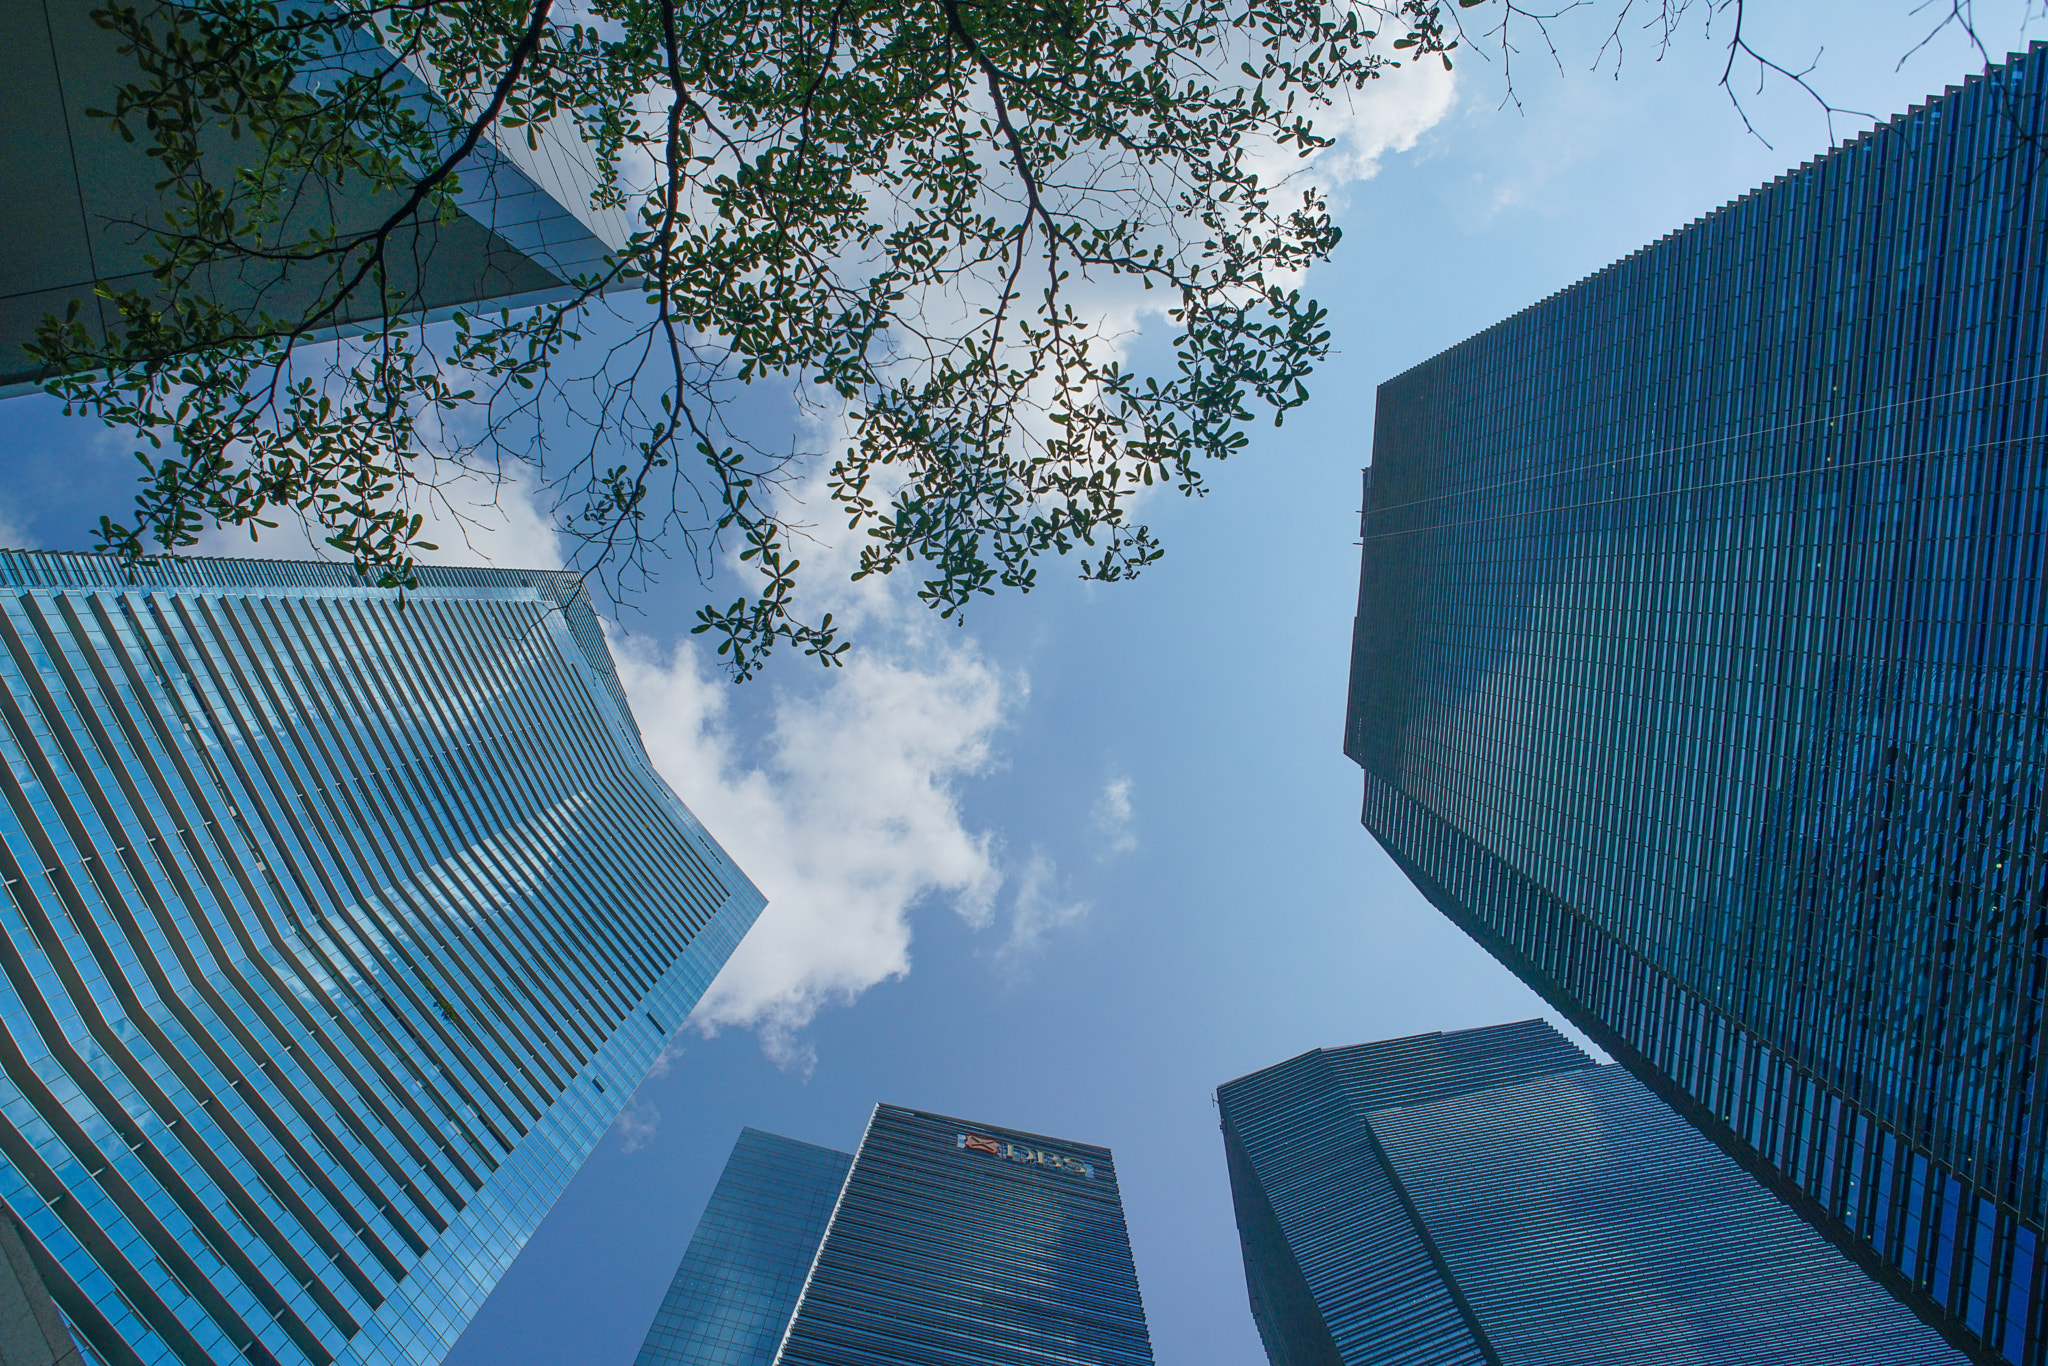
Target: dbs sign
(1018, 1152)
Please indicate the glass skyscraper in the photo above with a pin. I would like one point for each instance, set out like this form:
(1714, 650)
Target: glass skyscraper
(81, 204)
(1491, 1198)
(1699, 675)
(337, 930)
(941, 1243)
(732, 1297)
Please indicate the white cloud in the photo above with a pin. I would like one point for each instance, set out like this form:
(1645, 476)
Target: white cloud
(848, 820)
(1388, 116)
(1112, 815)
(666, 1059)
(1039, 907)
(13, 532)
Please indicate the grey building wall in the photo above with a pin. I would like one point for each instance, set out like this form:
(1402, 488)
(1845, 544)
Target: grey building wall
(78, 204)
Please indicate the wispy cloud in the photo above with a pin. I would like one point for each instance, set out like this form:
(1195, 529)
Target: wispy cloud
(1389, 116)
(13, 530)
(1112, 816)
(636, 1124)
(1039, 907)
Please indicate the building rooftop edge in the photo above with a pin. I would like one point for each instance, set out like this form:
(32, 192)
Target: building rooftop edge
(1921, 111)
(1398, 1040)
(746, 1129)
(30, 569)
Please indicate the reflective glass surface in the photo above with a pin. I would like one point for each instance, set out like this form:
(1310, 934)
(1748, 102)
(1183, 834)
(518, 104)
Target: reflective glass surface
(337, 930)
(959, 1244)
(1699, 675)
(730, 1302)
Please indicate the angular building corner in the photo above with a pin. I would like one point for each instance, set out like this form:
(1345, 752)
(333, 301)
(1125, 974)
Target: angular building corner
(1491, 1198)
(79, 204)
(338, 928)
(940, 1243)
(1701, 675)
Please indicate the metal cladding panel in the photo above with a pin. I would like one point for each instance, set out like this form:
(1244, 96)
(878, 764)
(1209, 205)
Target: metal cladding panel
(1290, 1324)
(1518, 1206)
(1333, 1256)
(733, 1295)
(959, 1244)
(338, 928)
(1435, 1066)
(1587, 1225)
(1701, 674)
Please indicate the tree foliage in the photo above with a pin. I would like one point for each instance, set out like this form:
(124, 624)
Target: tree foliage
(907, 211)
(915, 215)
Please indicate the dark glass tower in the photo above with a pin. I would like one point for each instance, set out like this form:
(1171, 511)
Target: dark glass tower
(336, 931)
(522, 232)
(947, 1244)
(1491, 1198)
(1699, 675)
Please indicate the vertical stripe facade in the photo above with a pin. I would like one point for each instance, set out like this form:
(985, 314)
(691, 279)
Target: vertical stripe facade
(1337, 1263)
(338, 927)
(731, 1299)
(1491, 1197)
(957, 1244)
(941, 1243)
(1701, 674)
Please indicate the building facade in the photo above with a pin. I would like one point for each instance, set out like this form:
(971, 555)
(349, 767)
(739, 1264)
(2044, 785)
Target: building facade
(79, 203)
(1699, 675)
(946, 1244)
(338, 928)
(732, 1297)
(1492, 1198)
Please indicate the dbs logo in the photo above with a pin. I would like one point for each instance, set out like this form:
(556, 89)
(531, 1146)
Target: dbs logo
(1017, 1152)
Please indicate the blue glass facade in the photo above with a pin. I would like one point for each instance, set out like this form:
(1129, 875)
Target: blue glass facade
(337, 930)
(957, 1244)
(947, 1244)
(1491, 1198)
(1699, 675)
(733, 1295)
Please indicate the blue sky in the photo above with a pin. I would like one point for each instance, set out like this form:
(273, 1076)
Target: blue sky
(1069, 868)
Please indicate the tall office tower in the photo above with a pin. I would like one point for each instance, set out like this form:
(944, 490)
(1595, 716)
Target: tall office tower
(941, 1243)
(1699, 675)
(337, 930)
(1491, 1198)
(732, 1297)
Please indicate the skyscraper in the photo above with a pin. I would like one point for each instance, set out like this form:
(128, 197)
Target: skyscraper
(337, 930)
(1491, 1197)
(79, 202)
(733, 1295)
(1699, 675)
(941, 1243)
